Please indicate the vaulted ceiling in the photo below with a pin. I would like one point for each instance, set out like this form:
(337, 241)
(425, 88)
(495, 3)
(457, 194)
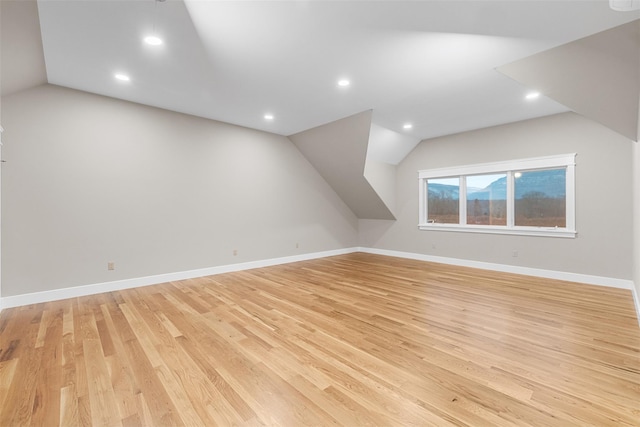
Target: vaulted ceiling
(431, 64)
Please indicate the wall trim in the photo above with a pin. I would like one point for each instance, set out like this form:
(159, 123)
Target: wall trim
(527, 271)
(636, 300)
(97, 288)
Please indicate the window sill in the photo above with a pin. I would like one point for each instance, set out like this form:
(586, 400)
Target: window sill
(488, 229)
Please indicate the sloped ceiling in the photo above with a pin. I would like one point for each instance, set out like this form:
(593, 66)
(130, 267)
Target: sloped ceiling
(431, 63)
(338, 151)
(597, 76)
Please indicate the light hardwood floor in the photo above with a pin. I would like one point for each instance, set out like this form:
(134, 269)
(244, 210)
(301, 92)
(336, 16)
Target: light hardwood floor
(351, 340)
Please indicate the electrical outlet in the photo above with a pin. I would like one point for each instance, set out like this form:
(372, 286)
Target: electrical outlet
(111, 265)
(514, 254)
(297, 245)
(235, 252)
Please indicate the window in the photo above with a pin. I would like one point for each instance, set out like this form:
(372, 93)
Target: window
(444, 200)
(530, 197)
(540, 198)
(487, 199)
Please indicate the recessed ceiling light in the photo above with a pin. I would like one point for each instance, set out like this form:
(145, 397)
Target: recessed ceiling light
(153, 40)
(407, 126)
(532, 95)
(269, 117)
(122, 77)
(343, 82)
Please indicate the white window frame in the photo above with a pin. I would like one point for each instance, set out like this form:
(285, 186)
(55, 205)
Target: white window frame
(566, 161)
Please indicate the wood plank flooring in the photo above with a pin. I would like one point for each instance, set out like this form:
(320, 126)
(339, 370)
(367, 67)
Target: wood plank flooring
(352, 340)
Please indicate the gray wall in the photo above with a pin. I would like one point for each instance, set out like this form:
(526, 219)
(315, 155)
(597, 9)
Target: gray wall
(0, 144)
(21, 46)
(91, 180)
(604, 216)
(636, 222)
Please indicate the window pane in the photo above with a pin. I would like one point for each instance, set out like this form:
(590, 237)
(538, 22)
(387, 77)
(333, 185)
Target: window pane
(541, 198)
(487, 199)
(443, 200)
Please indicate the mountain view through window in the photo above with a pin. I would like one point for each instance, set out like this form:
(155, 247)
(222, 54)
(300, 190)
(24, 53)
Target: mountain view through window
(539, 199)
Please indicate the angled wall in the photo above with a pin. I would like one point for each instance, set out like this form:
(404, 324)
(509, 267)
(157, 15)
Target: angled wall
(21, 43)
(381, 176)
(338, 150)
(597, 76)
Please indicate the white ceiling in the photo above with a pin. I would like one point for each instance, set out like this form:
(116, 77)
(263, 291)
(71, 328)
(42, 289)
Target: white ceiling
(431, 63)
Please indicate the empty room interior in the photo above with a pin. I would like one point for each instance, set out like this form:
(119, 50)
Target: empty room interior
(315, 213)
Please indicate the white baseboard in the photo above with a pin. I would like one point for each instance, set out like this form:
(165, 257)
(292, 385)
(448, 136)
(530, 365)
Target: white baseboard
(636, 300)
(78, 291)
(97, 288)
(537, 272)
